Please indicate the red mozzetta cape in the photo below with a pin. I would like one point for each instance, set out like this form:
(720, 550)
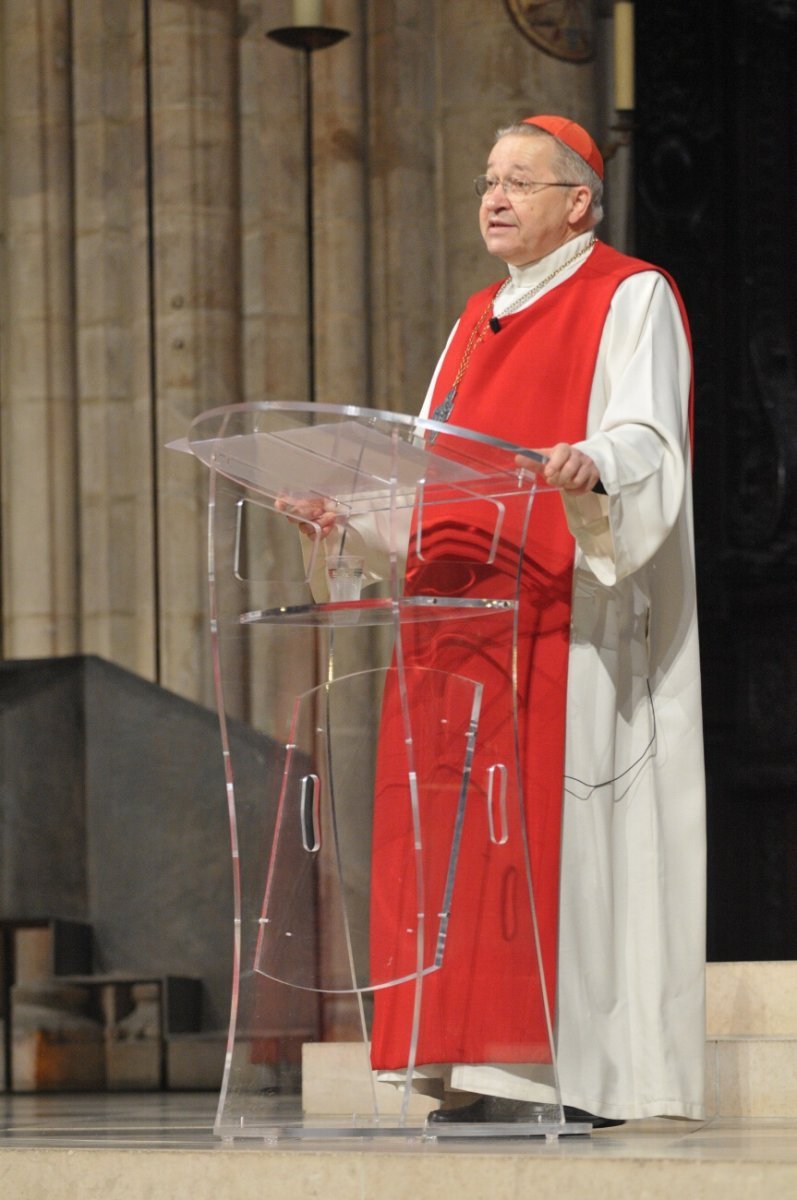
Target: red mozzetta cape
(529, 384)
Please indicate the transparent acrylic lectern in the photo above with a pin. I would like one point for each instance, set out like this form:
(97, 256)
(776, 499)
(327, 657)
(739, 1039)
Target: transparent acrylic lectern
(364, 573)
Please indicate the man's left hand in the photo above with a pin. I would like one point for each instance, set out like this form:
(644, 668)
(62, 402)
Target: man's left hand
(567, 468)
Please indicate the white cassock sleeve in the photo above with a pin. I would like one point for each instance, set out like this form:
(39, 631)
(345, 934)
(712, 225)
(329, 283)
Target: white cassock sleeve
(637, 431)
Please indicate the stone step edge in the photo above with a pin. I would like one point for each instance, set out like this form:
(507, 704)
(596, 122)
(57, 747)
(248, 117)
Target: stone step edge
(745, 1038)
(756, 999)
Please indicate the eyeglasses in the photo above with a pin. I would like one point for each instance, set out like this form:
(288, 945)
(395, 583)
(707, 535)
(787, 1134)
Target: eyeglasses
(514, 189)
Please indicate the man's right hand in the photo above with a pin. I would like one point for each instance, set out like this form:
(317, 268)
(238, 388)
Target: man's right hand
(316, 517)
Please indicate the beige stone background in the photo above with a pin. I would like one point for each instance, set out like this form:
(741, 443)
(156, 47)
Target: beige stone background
(153, 266)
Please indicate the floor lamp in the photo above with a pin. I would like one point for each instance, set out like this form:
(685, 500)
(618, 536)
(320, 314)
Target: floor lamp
(308, 38)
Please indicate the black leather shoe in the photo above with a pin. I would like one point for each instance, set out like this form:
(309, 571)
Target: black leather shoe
(578, 1116)
(497, 1109)
(483, 1110)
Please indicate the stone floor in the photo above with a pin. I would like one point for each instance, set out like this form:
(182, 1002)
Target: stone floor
(129, 1146)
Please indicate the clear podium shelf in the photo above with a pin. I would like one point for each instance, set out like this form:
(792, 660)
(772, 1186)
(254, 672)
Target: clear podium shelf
(379, 611)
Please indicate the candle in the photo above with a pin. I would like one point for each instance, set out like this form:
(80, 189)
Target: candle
(623, 55)
(307, 12)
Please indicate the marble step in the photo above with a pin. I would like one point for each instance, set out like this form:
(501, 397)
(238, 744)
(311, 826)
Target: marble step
(751, 1051)
(751, 999)
(335, 1081)
(751, 1077)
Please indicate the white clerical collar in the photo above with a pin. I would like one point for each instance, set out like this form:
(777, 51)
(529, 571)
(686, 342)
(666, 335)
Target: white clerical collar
(528, 279)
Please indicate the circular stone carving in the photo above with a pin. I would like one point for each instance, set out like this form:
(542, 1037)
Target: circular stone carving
(563, 28)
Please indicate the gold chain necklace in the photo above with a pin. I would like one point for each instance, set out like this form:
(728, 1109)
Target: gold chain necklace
(530, 293)
(443, 410)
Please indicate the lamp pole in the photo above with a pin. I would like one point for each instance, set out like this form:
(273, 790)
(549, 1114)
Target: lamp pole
(308, 39)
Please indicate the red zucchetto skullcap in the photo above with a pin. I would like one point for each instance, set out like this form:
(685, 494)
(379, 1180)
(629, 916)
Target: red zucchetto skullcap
(574, 136)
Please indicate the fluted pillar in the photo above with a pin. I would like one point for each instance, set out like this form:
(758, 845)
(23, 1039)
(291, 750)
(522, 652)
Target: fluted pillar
(114, 345)
(274, 261)
(341, 215)
(196, 300)
(272, 213)
(405, 227)
(274, 286)
(38, 473)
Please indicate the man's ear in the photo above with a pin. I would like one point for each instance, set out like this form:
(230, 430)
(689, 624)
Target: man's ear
(580, 204)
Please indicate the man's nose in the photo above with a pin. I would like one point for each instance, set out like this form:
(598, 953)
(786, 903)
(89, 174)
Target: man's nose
(496, 199)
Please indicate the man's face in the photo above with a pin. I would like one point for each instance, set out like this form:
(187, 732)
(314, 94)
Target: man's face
(523, 229)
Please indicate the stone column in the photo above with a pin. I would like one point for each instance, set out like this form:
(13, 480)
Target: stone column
(274, 258)
(405, 230)
(272, 211)
(112, 225)
(341, 214)
(196, 299)
(37, 418)
(275, 293)
(274, 289)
